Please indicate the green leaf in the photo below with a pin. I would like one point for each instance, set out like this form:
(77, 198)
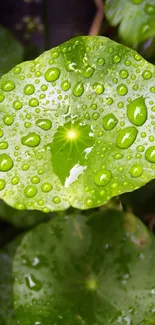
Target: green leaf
(135, 18)
(7, 316)
(77, 126)
(93, 272)
(11, 51)
(23, 218)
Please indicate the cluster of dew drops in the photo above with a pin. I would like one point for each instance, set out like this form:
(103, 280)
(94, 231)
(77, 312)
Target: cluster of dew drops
(125, 138)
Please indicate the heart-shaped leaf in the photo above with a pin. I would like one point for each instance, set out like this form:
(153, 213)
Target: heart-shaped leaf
(73, 270)
(136, 19)
(11, 51)
(7, 316)
(77, 126)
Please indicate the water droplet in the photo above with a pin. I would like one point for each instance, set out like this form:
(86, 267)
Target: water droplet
(31, 140)
(56, 199)
(147, 74)
(126, 137)
(8, 119)
(30, 191)
(44, 124)
(100, 62)
(116, 59)
(150, 154)
(65, 85)
(137, 111)
(109, 122)
(87, 72)
(25, 167)
(103, 177)
(137, 57)
(33, 102)
(123, 73)
(20, 206)
(3, 145)
(140, 148)
(122, 89)
(109, 100)
(89, 202)
(1, 97)
(29, 89)
(17, 70)
(95, 116)
(17, 105)
(8, 85)
(6, 163)
(78, 89)
(2, 184)
(15, 180)
(35, 180)
(149, 9)
(32, 283)
(98, 87)
(46, 187)
(136, 170)
(52, 74)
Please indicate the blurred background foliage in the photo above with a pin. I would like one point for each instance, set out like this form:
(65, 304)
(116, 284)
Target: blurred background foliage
(28, 27)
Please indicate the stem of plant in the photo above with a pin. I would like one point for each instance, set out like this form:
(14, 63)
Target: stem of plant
(97, 22)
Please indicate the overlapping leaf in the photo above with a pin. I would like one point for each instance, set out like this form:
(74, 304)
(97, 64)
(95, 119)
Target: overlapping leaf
(77, 126)
(11, 51)
(73, 270)
(136, 19)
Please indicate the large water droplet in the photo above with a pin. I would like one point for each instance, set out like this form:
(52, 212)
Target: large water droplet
(8, 119)
(46, 187)
(150, 154)
(52, 74)
(6, 162)
(126, 137)
(147, 74)
(29, 89)
(109, 121)
(17, 105)
(65, 85)
(137, 111)
(31, 140)
(30, 191)
(78, 89)
(87, 72)
(44, 124)
(8, 85)
(122, 89)
(136, 170)
(103, 177)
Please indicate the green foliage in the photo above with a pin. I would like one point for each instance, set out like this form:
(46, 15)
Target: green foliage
(77, 126)
(7, 316)
(136, 19)
(74, 270)
(11, 51)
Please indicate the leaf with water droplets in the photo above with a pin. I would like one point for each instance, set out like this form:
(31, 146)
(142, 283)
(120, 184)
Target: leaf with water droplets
(136, 19)
(75, 270)
(77, 126)
(11, 51)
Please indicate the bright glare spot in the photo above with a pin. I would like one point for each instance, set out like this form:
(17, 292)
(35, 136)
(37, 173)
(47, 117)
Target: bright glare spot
(72, 134)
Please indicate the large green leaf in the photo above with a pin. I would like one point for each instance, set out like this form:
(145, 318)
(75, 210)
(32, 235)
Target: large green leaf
(136, 19)
(77, 126)
(11, 51)
(99, 271)
(7, 316)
